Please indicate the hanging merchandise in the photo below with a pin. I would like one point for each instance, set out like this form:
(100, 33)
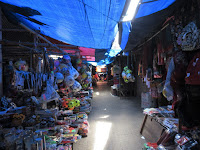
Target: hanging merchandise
(167, 89)
(39, 65)
(21, 65)
(127, 75)
(160, 54)
(157, 73)
(19, 79)
(189, 37)
(140, 69)
(149, 74)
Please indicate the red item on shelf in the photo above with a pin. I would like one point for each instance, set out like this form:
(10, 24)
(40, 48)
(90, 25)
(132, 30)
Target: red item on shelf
(154, 145)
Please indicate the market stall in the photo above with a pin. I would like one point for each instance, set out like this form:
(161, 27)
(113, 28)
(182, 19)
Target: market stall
(169, 68)
(46, 108)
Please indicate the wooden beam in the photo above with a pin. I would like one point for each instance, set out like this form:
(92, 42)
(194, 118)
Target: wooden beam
(13, 30)
(41, 37)
(32, 49)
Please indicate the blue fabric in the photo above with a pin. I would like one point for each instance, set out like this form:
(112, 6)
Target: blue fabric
(126, 29)
(152, 7)
(85, 23)
(113, 52)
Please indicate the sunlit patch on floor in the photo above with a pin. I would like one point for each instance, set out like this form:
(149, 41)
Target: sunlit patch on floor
(104, 117)
(102, 134)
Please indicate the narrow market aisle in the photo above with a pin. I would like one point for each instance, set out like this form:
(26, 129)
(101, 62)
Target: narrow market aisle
(114, 123)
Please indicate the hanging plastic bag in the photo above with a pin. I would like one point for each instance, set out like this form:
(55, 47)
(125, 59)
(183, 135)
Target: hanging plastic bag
(59, 77)
(65, 71)
(19, 79)
(75, 73)
(50, 93)
(168, 91)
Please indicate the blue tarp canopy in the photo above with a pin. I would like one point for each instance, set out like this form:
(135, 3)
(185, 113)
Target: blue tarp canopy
(90, 23)
(85, 23)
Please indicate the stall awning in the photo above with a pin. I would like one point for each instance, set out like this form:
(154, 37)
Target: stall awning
(87, 53)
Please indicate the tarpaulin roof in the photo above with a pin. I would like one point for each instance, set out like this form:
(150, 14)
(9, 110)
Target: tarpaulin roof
(86, 23)
(148, 7)
(90, 23)
(145, 26)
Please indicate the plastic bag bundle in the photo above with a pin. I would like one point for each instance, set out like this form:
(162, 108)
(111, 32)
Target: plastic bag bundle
(75, 73)
(62, 65)
(168, 91)
(83, 130)
(67, 58)
(127, 75)
(123, 74)
(69, 80)
(65, 71)
(56, 63)
(76, 86)
(59, 77)
(50, 93)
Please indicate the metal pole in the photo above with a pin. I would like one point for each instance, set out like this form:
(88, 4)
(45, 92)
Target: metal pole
(43, 38)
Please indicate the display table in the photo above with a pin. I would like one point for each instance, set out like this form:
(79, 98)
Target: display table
(151, 129)
(160, 130)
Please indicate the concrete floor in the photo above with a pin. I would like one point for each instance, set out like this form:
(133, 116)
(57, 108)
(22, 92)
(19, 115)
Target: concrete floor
(114, 123)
